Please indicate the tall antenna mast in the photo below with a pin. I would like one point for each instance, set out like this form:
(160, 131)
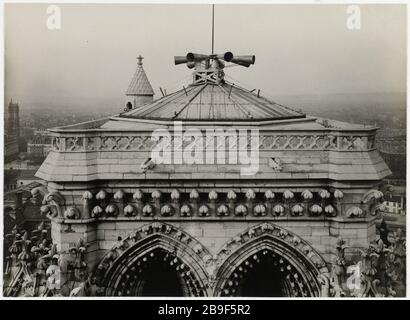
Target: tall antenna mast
(213, 26)
(209, 68)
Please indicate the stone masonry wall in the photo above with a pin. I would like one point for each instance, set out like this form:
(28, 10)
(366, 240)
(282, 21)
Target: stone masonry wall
(322, 235)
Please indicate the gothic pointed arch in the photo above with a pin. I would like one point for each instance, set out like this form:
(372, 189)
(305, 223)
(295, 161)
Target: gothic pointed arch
(123, 270)
(295, 267)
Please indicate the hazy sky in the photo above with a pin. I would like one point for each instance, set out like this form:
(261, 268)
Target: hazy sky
(299, 49)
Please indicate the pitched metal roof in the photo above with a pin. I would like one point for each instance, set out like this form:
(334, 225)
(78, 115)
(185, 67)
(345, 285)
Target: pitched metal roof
(210, 101)
(139, 83)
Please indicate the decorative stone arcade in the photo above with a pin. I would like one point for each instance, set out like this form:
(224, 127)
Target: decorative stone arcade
(213, 231)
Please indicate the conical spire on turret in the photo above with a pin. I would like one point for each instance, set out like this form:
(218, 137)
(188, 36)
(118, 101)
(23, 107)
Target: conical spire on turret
(139, 91)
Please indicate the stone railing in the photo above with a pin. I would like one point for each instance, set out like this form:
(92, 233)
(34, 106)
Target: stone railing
(338, 141)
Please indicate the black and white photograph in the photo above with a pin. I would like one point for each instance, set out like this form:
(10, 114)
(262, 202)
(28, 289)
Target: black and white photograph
(209, 150)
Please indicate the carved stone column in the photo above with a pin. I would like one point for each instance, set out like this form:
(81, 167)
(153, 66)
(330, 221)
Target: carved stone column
(87, 197)
(119, 199)
(137, 197)
(269, 197)
(175, 200)
(194, 197)
(231, 196)
(213, 196)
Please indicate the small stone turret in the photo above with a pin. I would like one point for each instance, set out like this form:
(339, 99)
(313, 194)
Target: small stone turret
(140, 91)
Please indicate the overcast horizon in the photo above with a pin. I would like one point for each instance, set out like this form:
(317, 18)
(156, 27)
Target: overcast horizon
(300, 50)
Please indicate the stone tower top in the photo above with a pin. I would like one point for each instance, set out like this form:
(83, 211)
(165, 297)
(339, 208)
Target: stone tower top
(139, 91)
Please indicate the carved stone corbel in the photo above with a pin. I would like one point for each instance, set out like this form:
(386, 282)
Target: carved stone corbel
(72, 213)
(55, 201)
(372, 201)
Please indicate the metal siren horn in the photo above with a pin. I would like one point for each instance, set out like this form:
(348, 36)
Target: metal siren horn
(245, 61)
(196, 57)
(180, 60)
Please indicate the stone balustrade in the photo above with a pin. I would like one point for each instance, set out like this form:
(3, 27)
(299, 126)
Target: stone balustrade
(111, 141)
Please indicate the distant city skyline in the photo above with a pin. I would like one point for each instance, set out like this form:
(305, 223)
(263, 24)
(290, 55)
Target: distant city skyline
(299, 50)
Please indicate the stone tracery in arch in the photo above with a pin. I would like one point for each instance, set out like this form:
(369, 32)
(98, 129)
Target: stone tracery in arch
(299, 265)
(119, 270)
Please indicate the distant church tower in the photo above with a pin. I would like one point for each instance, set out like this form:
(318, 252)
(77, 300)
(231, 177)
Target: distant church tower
(139, 91)
(11, 131)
